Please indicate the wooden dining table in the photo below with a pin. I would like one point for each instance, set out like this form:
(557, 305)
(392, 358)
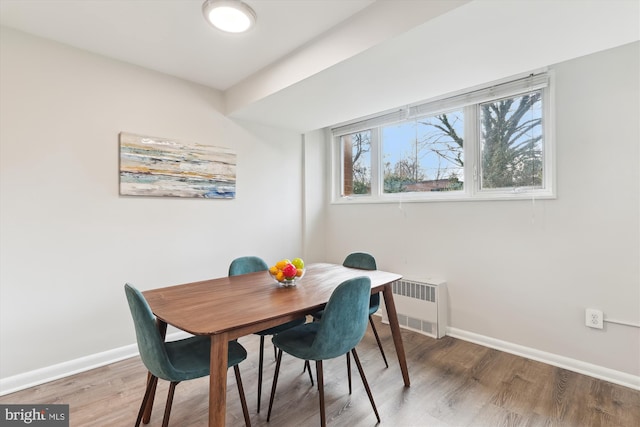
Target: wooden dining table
(227, 308)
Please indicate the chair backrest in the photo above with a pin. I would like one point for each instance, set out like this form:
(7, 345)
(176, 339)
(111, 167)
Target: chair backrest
(247, 264)
(364, 261)
(361, 260)
(150, 344)
(344, 320)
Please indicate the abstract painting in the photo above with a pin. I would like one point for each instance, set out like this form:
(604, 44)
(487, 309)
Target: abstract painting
(152, 166)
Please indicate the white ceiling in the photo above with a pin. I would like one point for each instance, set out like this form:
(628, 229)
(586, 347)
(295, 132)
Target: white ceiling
(313, 63)
(172, 36)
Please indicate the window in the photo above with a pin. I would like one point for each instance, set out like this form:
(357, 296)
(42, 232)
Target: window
(511, 142)
(425, 154)
(492, 142)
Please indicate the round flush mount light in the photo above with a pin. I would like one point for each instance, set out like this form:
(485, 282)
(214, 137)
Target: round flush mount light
(232, 16)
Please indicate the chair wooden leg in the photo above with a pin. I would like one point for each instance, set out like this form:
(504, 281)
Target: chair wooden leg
(151, 385)
(243, 401)
(275, 381)
(349, 371)
(260, 364)
(375, 333)
(167, 408)
(364, 381)
(323, 419)
(146, 416)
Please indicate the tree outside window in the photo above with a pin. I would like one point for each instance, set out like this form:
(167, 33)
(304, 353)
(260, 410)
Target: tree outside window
(425, 154)
(356, 149)
(511, 142)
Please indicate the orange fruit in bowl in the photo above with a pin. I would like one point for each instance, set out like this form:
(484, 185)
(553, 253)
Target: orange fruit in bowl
(282, 264)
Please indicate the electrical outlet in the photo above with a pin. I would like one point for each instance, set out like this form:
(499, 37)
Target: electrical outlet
(594, 318)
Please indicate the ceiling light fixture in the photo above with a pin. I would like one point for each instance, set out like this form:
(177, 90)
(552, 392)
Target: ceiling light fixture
(232, 16)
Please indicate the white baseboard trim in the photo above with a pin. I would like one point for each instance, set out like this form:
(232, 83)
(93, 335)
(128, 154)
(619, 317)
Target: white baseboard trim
(61, 370)
(606, 374)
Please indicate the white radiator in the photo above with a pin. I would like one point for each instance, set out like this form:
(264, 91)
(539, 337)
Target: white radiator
(421, 306)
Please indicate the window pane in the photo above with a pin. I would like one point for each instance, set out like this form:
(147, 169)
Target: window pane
(425, 154)
(511, 142)
(356, 161)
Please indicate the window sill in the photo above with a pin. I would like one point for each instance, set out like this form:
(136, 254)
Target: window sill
(459, 197)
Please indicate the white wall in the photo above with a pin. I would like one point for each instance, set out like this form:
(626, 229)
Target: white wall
(69, 242)
(523, 272)
(315, 196)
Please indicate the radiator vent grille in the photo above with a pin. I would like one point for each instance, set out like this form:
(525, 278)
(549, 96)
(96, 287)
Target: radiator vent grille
(415, 324)
(422, 291)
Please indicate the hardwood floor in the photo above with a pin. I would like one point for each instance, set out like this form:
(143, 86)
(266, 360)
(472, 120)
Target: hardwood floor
(453, 383)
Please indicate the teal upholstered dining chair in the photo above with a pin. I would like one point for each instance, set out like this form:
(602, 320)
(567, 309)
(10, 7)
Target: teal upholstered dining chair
(253, 264)
(364, 261)
(342, 326)
(174, 361)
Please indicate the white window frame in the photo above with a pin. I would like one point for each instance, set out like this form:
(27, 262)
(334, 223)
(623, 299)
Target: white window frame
(469, 101)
